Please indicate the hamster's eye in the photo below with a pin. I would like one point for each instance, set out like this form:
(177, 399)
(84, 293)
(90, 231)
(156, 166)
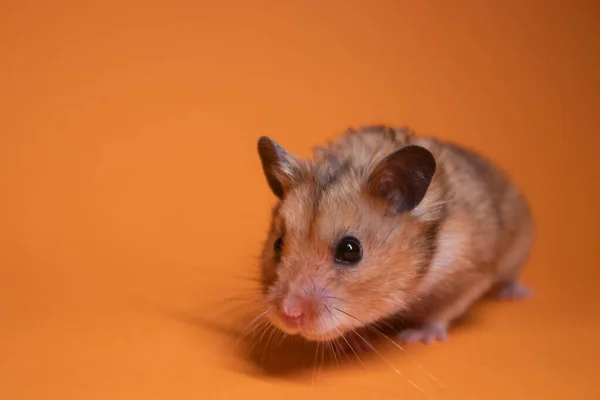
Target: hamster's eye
(348, 251)
(278, 247)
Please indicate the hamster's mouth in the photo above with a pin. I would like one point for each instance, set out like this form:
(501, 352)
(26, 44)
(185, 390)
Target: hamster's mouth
(321, 337)
(309, 334)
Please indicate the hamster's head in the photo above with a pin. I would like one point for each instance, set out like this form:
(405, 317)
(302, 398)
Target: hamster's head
(345, 248)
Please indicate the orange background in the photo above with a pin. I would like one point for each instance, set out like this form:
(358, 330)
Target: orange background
(133, 202)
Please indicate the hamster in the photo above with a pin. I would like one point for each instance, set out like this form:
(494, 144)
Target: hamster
(385, 224)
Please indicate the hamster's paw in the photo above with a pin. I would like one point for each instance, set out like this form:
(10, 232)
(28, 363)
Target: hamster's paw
(513, 291)
(427, 334)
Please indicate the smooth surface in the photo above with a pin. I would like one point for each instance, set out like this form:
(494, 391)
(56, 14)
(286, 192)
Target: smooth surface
(133, 205)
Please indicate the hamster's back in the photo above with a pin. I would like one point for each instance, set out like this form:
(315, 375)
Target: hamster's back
(487, 230)
(470, 195)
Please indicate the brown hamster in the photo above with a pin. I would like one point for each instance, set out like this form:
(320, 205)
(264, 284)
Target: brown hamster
(384, 223)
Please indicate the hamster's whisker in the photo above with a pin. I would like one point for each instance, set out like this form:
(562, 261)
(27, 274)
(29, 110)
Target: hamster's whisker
(322, 347)
(282, 336)
(378, 331)
(325, 287)
(257, 329)
(250, 326)
(251, 278)
(432, 377)
(248, 297)
(374, 328)
(272, 335)
(328, 344)
(253, 288)
(261, 330)
(272, 331)
(387, 237)
(344, 337)
(322, 360)
(371, 346)
(254, 336)
(351, 316)
(370, 326)
(237, 304)
(255, 306)
(396, 370)
(315, 362)
(387, 324)
(236, 297)
(241, 297)
(312, 281)
(334, 351)
(340, 348)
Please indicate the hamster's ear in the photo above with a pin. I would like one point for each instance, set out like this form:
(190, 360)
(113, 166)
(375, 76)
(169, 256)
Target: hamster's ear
(281, 169)
(403, 177)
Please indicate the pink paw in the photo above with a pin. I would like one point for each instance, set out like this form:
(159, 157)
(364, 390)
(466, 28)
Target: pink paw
(514, 291)
(427, 334)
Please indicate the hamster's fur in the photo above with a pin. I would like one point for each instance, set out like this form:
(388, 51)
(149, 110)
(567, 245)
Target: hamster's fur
(438, 227)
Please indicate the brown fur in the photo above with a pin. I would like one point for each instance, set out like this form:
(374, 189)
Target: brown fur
(471, 231)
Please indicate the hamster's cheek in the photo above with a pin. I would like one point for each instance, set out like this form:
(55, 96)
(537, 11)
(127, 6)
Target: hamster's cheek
(268, 272)
(268, 277)
(272, 293)
(365, 304)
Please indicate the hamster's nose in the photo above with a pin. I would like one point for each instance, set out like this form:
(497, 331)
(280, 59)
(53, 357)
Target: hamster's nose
(292, 310)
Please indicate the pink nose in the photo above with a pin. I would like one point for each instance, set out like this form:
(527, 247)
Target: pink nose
(292, 310)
